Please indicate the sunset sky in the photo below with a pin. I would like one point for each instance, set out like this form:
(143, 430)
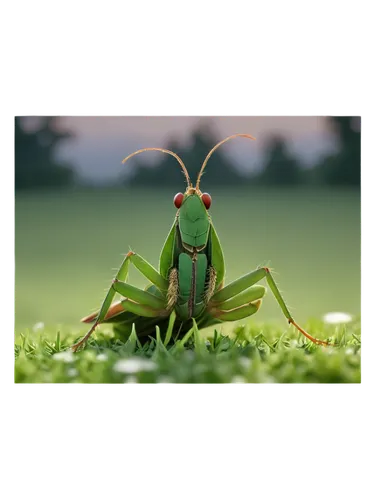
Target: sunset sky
(101, 143)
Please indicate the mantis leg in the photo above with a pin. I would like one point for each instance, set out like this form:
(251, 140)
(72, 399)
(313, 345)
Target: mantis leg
(250, 294)
(229, 293)
(240, 306)
(118, 311)
(149, 303)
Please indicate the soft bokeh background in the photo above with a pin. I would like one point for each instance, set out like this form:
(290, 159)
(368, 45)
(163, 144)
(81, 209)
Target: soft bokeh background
(290, 200)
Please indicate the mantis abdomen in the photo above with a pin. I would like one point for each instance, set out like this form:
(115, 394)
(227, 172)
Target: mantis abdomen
(192, 278)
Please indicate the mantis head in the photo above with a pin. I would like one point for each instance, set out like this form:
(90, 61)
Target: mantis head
(193, 218)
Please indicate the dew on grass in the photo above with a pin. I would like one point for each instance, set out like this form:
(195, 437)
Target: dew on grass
(134, 365)
(336, 318)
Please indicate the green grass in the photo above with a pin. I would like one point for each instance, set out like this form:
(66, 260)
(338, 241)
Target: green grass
(256, 354)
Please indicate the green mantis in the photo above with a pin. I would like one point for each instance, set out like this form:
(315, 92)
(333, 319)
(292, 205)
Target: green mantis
(189, 285)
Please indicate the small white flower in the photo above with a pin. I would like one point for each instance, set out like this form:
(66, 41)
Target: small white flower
(134, 365)
(269, 380)
(66, 356)
(238, 380)
(131, 380)
(72, 372)
(189, 355)
(164, 380)
(349, 351)
(38, 326)
(335, 318)
(245, 363)
(102, 357)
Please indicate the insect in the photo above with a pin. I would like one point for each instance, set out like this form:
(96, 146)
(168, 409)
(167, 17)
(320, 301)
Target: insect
(190, 281)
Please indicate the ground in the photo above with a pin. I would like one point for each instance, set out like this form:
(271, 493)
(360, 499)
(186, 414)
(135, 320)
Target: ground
(251, 353)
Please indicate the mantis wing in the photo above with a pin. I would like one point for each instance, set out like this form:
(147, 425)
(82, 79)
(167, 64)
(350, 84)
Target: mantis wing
(167, 253)
(215, 251)
(217, 257)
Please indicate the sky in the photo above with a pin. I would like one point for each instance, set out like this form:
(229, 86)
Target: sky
(100, 143)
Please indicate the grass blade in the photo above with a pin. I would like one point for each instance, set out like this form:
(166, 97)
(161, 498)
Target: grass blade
(168, 335)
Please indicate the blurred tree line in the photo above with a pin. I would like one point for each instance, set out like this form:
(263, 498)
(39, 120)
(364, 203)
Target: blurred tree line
(281, 168)
(35, 155)
(36, 165)
(167, 169)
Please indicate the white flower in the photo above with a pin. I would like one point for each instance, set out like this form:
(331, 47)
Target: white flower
(134, 365)
(164, 380)
(335, 318)
(38, 326)
(102, 357)
(66, 356)
(238, 380)
(131, 380)
(245, 363)
(72, 372)
(269, 380)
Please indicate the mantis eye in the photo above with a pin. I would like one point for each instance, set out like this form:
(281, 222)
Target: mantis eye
(178, 200)
(206, 198)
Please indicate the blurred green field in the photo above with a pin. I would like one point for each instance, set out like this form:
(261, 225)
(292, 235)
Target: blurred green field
(68, 245)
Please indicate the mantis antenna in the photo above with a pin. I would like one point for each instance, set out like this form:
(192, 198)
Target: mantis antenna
(213, 149)
(164, 151)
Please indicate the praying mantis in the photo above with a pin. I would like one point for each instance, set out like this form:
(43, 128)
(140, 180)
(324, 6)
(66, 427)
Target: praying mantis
(189, 286)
